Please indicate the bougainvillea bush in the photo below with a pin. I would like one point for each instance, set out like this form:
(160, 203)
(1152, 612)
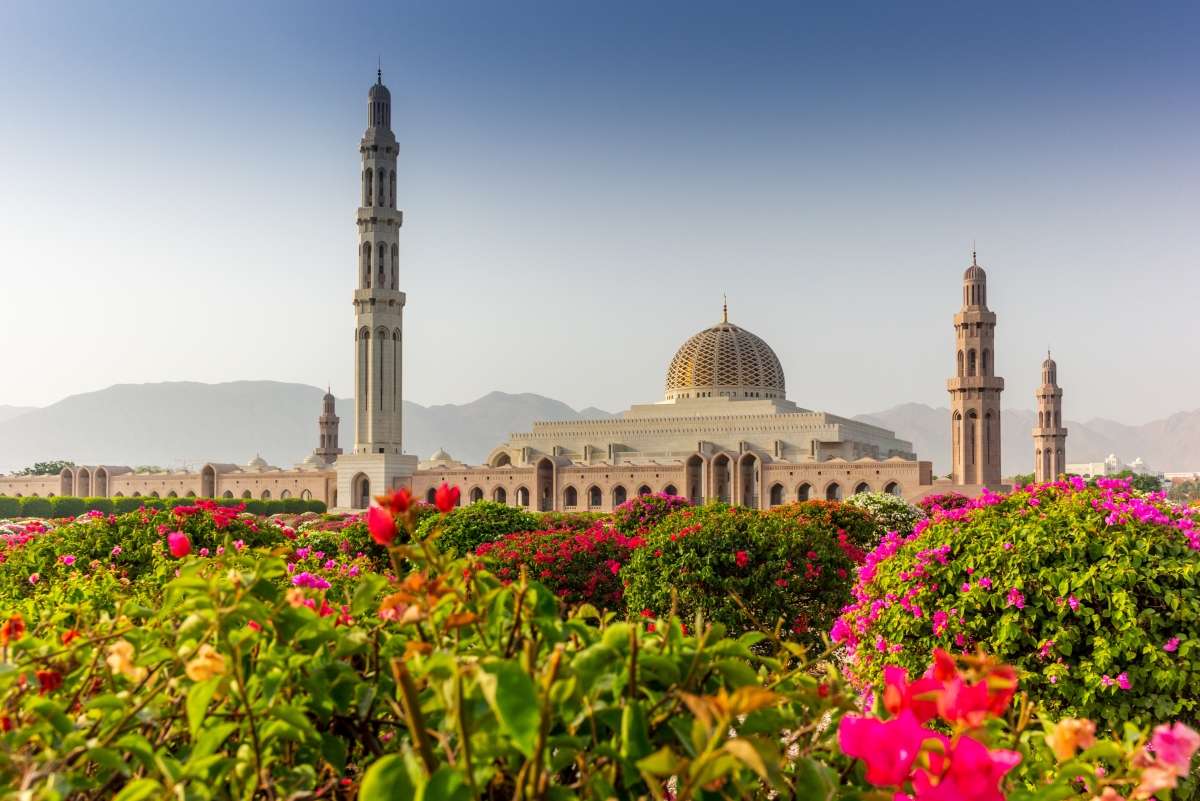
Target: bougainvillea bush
(944, 500)
(465, 527)
(1090, 593)
(577, 566)
(890, 512)
(851, 523)
(640, 514)
(784, 569)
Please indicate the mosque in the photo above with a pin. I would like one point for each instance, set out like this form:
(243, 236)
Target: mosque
(723, 430)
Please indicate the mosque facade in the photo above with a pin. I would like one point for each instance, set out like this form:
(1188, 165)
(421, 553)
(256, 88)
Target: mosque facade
(724, 430)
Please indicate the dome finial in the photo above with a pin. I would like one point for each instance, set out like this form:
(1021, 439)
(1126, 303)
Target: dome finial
(973, 254)
(725, 309)
(379, 71)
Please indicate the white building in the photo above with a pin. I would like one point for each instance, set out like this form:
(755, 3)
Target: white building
(1111, 466)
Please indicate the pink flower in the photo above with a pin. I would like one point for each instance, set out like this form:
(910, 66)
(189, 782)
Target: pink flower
(1172, 644)
(116, 550)
(940, 619)
(1015, 598)
(974, 773)
(1073, 602)
(900, 696)
(743, 559)
(254, 625)
(239, 544)
(986, 583)
(1175, 746)
(889, 749)
(179, 544)
(1008, 546)
(1054, 679)
(204, 552)
(1105, 681)
(965, 587)
(1123, 681)
(67, 560)
(33, 578)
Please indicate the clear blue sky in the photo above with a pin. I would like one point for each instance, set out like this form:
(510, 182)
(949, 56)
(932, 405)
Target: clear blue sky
(581, 182)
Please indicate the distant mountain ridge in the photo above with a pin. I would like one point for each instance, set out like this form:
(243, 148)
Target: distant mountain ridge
(168, 423)
(1171, 445)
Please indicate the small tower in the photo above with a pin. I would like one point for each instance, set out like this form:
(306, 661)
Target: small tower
(975, 389)
(1049, 438)
(328, 424)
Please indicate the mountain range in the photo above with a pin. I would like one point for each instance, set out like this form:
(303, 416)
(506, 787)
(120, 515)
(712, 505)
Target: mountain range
(174, 423)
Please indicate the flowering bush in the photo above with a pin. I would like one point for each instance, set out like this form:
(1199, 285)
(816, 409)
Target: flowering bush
(466, 527)
(577, 566)
(640, 514)
(857, 525)
(1088, 592)
(791, 570)
(945, 500)
(890, 512)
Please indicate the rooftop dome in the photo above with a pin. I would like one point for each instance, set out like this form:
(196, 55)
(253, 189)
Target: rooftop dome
(379, 91)
(257, 463)
(974, 272)
(728, 360)
(313, 458)
(441, 456)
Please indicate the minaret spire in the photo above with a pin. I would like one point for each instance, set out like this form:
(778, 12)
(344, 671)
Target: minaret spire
(725, 309)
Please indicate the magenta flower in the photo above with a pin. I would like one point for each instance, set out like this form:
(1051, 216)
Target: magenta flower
(1175, 746)
(1123, 681)
(1054, 679)
(1015, 598)
(1008, 546)
(965, 587)
(33, 578)
(1172, 644)
(986, 583)
(1073, 602)
(116, 550)
(888, 749)
(1105, 681)
(307, 579)
(67, 560)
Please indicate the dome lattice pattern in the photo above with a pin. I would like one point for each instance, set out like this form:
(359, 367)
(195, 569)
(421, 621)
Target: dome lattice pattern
(727, 356)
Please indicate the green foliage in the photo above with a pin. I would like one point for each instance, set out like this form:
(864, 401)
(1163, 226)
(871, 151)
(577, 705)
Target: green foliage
(317, 506)
(32, 506)
(97, 504)
(255, 506)
(294, 506)
(52, 468)
(126, 505)
(788, 568)
(1022, 479)
(1082, 588)
(1184, 492)
(890, 512)
(67, 506)
(466, 527)
(9, 507)
(859, 526)
(274, 506)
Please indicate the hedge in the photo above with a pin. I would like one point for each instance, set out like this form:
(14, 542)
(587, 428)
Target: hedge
(467, 527)
(36, 507)
(9, 507)
(67, 506)
(63, 506)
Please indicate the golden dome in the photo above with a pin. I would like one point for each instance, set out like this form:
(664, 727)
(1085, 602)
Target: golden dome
(726, 357)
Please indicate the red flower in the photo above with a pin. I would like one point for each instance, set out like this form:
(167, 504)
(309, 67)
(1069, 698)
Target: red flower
(50, 681)
(12, 629)
(6, 723)
(446, 498)
(915, 697)
(70, 635)
(888, 749)
(179, 544)
(742, 559)
(382, 525)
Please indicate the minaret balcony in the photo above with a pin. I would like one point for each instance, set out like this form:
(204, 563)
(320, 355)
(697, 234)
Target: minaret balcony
(975, 382)
(367, 214)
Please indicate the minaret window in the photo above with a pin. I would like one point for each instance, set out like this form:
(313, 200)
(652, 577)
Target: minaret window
(392, 194)
(985, 362)
(370, 176)
(382, 188)
(971, 362)
(960, 364)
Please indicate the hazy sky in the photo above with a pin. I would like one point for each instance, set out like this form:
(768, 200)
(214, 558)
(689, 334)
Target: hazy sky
(582, 181)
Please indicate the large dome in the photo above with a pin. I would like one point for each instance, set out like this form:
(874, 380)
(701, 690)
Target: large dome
(725, 361)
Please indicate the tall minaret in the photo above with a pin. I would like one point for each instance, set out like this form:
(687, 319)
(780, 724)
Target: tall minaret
(1049, 438)
(377, 461)
(975, 390)
(328, 448)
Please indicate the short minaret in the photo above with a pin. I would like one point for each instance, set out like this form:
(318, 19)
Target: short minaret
(328, 424)
(1049, 438)
(378, 461)
(975, 389)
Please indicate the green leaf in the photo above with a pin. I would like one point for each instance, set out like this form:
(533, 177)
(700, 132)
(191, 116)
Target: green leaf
(662, 762)
(363, 598)
(141, 749)
(510, 692)
(107, 758)
(211, 740)
(137, 790)
(198, 699)
(334, 750)
(293, 716)
(737, 674)
(447, 784)
(387, 780)
(635, 740)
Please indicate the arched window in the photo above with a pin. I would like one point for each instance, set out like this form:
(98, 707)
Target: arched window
(366, 264)
(153, 494)
(570, 497)
(984, 364)
(861, 488)
(892, 488)
(392, 184)
(395, 264)
(305, 495)
(172, 494)
(430, 495)
(776, 494)
(670, 490)
(190, 494)
(643, 490)
(285, 494)
(499, 495)
(247, 495)
(523, 497)
(503, 460)
(382, 187)
(369, 186)
(618, 495)
(594, 498)
(960, 364)
(476, 495)
(1041, 419)
(227, 494)
(266, 495)
(833, 492)
(971, 362)
(803, 492)
(1058, 419)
